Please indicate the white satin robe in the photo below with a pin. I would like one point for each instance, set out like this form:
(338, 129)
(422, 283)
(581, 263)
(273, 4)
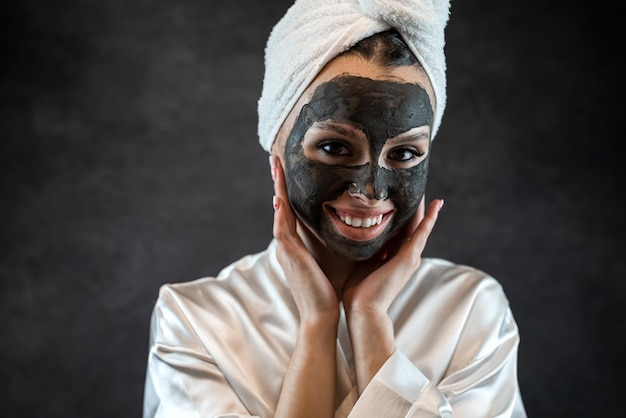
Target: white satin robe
(219, 347)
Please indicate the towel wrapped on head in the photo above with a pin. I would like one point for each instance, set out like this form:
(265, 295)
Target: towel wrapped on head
(313, 32)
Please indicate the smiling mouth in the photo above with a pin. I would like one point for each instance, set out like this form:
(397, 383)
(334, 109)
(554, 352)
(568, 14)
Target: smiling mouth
(360, 222)
(359, 228)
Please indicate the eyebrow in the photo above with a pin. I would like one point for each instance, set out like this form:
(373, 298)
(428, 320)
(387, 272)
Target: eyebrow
(419, 133)
(340, 128)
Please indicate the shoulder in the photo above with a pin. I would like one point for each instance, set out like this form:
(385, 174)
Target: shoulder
(460, 309)
(453, 292)
(201, 312)
(458, 279)
(475, 299)
(240, 293)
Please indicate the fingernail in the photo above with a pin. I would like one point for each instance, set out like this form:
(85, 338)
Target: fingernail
(440, 204)
(275, 202)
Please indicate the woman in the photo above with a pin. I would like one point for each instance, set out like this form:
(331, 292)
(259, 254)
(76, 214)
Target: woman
(341, 316)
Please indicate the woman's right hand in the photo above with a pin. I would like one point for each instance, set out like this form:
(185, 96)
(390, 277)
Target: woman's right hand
(309, 385)
(313, 293)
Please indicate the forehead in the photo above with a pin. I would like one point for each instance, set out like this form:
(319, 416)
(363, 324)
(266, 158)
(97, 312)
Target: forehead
(354, 65)
(381, 108)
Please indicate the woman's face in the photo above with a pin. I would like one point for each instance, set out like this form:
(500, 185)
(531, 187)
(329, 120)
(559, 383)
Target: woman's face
(356, 156)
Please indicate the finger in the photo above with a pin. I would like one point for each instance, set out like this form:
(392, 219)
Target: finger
(421, 208)
(392, 246)
(416, 219)
(425, 227)
(272, 167)
(280, 189)
(284, 218)
(409, 255)
(284, 228)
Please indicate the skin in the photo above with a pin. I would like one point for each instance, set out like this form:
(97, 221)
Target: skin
(327, 262)
(363, 114)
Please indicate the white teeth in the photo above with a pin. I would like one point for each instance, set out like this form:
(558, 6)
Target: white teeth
(361, 223)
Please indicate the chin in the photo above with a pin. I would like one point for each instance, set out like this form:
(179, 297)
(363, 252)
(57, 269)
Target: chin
(354, 251)
(349, 249)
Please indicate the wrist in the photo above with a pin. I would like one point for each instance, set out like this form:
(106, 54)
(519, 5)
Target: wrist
(366, 313)
(321, 326)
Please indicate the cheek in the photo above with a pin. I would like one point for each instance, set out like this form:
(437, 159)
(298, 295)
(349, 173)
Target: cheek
(309, 185)
(407, 187)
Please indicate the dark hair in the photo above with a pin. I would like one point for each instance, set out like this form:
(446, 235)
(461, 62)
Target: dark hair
(386, 49)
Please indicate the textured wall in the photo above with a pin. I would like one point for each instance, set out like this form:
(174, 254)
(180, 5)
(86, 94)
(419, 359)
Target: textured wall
(128, 158)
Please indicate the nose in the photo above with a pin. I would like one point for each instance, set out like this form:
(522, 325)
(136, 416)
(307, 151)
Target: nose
(372, 185)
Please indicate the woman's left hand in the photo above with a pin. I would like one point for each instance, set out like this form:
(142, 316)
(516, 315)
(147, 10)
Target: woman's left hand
(374, 285)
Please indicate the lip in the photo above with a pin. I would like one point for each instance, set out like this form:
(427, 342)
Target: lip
(358, 233)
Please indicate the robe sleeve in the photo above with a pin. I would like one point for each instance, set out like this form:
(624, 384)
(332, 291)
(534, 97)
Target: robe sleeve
(182, 380)
(481, 380)
(400, 389)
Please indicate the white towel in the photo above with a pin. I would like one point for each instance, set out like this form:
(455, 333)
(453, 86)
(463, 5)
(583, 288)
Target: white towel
(313, 32)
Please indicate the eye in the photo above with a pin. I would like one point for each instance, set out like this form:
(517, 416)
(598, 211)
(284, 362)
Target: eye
(338, 148)
(404, 154)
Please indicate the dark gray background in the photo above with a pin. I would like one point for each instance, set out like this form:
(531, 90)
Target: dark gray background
(129, 158)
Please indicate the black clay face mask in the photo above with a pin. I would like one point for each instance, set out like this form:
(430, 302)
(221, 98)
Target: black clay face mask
(381, 109)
